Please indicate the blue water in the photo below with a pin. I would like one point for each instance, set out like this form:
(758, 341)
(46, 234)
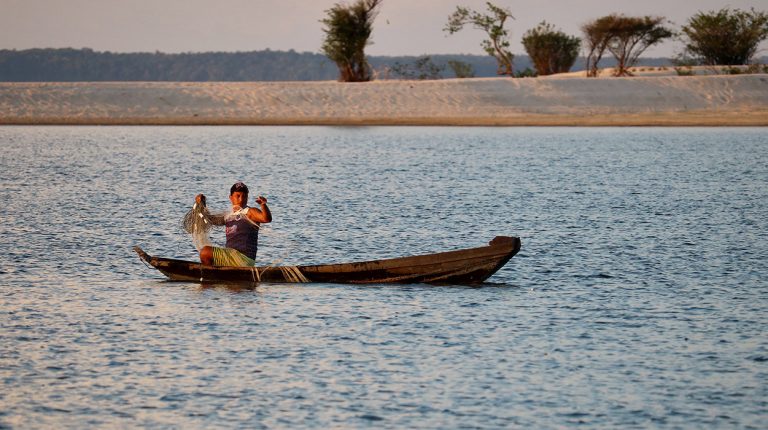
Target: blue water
(639, 298)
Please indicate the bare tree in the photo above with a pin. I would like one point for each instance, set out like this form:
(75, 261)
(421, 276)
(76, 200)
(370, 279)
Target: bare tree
(347, 32)
(497, 44)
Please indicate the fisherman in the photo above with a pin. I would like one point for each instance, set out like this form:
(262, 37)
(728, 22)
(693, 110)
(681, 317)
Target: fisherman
(242, 229)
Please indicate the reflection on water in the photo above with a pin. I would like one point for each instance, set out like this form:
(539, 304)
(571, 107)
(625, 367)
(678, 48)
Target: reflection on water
(637, 300)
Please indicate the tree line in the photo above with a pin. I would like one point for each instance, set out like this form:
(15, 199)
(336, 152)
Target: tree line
(41, 65)
(84, 65)
(63, 65)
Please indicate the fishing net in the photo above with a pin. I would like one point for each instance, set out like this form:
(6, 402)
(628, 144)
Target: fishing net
(199, 221)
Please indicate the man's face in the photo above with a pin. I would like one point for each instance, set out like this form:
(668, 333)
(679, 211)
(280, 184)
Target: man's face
(239, 198)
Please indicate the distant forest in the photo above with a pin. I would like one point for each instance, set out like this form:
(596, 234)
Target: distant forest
(82, 65)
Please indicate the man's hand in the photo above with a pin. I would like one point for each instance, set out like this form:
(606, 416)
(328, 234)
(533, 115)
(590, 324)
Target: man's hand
(200, 199)
(262, 215)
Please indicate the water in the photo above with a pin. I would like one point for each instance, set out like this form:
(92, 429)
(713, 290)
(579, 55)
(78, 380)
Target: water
(638, 300)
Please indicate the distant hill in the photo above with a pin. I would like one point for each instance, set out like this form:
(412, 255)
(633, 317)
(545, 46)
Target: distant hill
(82, 65)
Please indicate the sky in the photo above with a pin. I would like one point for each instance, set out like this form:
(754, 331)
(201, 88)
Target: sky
(403, 27)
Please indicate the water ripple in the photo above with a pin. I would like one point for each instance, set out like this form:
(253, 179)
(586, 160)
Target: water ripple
(638, 299)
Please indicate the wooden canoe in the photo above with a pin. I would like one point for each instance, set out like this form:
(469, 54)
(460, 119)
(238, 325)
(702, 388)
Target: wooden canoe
(466, 266)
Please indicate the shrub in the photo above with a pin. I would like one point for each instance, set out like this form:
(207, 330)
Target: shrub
(421, 69)
(551, 51)
(527, 73)
(461, 69)
(752, 69)
(726, 36)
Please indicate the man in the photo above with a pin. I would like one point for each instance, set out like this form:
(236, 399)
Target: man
(242, 229)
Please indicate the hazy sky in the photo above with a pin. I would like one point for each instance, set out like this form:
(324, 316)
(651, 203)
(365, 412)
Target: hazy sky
(403, 27)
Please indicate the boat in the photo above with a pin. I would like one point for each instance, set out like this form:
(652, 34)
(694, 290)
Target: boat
(465, 266)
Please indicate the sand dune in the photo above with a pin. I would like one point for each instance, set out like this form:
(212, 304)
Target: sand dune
(658, 100)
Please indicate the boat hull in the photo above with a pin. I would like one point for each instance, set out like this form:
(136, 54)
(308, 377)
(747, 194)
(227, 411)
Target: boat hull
(466, 266)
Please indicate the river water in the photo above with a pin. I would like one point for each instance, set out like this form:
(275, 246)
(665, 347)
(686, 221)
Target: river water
(639, 298)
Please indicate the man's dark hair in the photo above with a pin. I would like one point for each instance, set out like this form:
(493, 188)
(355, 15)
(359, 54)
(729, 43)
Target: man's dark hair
(239, 186)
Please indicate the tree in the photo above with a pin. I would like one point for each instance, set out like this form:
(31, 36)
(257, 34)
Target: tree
(497, 44)
(597, 34)
(625, 37)
(551, 51)
(632, 36)
(461, 69)
(725, 37)
(422, 69)
(347, 32)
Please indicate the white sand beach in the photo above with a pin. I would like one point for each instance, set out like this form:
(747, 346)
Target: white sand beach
(566, 100)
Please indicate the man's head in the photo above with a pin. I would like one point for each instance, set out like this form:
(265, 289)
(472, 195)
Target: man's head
(239, 186)
(238, 194)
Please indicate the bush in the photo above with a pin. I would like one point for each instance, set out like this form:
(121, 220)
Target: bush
(527, 73)
(551, 51)
(421, 69)
(725, 37)
(461, 69)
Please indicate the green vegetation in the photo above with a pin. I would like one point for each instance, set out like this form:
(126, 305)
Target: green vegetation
(526, 73)
(497, 44)
(421, 69)
(725, 37)
(551, 51)
(684, 65)
(750, 69)
(684, 71)
(347, 32)
(461, 69)
(625, 37)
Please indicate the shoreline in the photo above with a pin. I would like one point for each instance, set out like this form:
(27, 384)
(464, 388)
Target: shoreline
(691, 120)
(740, 100)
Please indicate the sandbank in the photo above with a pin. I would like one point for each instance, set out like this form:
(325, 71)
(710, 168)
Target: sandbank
(740, 100)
